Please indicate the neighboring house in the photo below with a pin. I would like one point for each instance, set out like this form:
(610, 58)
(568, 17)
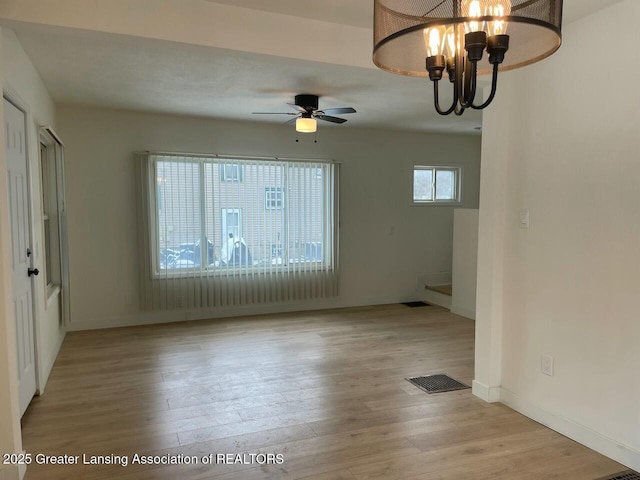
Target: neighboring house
(263, 205)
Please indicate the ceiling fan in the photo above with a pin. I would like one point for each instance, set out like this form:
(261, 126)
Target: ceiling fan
(307, 111)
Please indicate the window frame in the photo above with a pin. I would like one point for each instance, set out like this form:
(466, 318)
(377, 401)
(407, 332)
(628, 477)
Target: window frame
(330, 192)
(279, 199)
(51, 205)
(435, 168)
(230, 179)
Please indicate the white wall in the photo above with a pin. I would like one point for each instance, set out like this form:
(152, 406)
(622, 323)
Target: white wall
(385, 243)
(562, 142)
(10, 438)
(23, 84)
(465, 262)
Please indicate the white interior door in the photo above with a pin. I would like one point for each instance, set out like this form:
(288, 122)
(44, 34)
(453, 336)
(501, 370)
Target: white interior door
(18, 191)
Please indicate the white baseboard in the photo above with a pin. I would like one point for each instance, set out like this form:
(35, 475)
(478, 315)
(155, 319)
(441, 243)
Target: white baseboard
(150, 318)
(586, 436)
(485, 392)
(49, 361)
(437, 298)
(463, 312)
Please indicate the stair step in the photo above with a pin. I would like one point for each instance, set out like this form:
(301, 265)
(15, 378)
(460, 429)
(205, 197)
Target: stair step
(443, 289)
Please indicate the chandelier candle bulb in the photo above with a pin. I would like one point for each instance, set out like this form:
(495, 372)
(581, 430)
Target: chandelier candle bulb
(498, 9)
(450, 41)
(435, 40)
(472, 9)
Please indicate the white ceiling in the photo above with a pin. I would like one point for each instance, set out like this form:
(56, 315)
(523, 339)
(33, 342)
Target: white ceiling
(357, 13)
(87, 67)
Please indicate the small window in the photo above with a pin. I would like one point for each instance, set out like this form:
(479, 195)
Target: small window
(230, 172)
(273, 198)
(436, 185)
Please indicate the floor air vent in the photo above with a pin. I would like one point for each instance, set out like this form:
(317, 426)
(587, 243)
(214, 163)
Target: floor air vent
(628, 475)
(416, 304)
(437, 383)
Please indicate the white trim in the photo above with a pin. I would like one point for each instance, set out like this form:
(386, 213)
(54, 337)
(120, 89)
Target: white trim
(485, 392)
(150, 318)
(463, 312)
(50, 360)
(437, 298)
(53, 290)
(151, 175)
(10, 472)
(51, 132)
(580, 433)
(219, 156)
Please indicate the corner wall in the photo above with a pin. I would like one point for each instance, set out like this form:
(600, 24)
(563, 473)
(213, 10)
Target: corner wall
(465, 262)
(385, 242)
(561, 141)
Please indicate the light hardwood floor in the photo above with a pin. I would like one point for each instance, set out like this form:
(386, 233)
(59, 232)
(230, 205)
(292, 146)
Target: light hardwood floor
(324, 389)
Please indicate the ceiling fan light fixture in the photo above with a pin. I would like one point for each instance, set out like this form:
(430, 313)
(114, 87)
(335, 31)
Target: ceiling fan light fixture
(306, 125)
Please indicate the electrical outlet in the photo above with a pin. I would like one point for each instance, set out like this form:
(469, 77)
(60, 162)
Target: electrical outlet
(546, 366)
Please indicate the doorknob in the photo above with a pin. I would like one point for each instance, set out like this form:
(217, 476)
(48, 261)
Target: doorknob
(33, 271)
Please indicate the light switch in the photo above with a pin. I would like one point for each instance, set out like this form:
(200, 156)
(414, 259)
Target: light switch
(524, 219)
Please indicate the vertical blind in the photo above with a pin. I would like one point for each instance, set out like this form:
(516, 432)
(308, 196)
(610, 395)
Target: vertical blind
(227, 231)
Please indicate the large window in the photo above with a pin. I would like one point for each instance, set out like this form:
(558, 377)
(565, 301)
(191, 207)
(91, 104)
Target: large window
(436, 185)
(211, 215)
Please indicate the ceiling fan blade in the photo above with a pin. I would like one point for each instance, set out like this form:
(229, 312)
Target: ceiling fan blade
(292, 121)
(297, 107)
(338, 111)
(327, 118)
(273, 113)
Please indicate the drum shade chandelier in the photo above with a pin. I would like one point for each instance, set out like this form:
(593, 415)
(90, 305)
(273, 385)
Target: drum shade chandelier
(423, 38)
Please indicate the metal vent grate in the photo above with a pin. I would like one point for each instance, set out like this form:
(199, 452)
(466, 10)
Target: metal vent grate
(437, 383)
(626, 475)
(416, 304)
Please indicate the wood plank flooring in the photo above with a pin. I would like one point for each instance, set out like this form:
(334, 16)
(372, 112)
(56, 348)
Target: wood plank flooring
(326, 390)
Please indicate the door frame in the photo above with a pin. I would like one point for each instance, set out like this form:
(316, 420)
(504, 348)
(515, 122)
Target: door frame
(224, 226)
(17, 101)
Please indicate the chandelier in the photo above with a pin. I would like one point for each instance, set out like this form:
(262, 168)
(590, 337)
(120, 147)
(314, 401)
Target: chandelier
(423, 38)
